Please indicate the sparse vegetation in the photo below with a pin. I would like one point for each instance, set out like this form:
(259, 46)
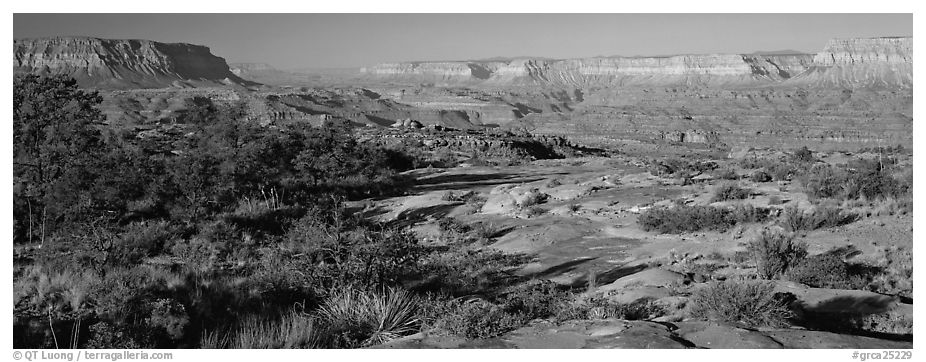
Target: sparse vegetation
(602, 308)
(749, 303)
(827, 270)
(685, 218)
(730, 191)
(821, 216)
(775, 252)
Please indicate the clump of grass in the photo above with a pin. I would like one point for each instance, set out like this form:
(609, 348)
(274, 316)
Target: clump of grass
(356, 318)
(573, 207)
(775, 252)
(730, 191)
(821, 216)
(452, 231)
(750, 303)
(292, 330)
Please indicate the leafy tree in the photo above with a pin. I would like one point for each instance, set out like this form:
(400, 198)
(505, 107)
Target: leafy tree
(55, 141)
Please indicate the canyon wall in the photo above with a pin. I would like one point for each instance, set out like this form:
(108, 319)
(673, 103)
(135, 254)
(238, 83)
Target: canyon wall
(123, 64)
(847, 62)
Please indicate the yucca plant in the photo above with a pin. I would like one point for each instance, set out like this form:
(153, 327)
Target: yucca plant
(357, 318)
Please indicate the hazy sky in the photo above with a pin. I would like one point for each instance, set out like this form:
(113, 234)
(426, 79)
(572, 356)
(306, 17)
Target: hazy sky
(353, 40)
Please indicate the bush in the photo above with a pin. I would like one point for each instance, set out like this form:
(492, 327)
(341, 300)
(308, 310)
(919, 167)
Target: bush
(463, 271)
(477, 320)
(730, 191)
(869, 179)
(803, 155)
(534, 301)
(891, 322)
(750, 303)
(602, 308)
(824, 271)
(726, 174)
(534, 211)
(684, 218)
(896, 273)
(775, 252)
(760, 176)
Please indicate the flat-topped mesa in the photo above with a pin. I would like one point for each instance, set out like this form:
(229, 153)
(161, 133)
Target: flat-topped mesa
(606, 70)
(868, 62)
(114, 63)
(843, 62)
(897, 50)
(438, 70)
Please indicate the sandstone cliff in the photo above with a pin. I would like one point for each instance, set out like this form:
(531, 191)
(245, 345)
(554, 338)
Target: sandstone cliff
(108, 63)
(871, 62)
(847, 62)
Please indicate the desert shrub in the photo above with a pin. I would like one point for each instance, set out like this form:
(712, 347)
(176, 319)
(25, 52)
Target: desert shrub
(781, 171)
(169, 316)
(774, 252)
(890, 322)
(535, 300)
(534, 211)
(896, 273)
(746, 213)
(532, 198)
(824, 271)
(477, 320)
(453, 231)
(726, 174)
(458, 196)
(107, 336)
(684, 218)
(760, 176)
(484, 319)
(730, 191)
(464, 271)
(355, 318)
(677, 167)
(821, 216)
(869, 179)
(141, 240)
(750, 303)
(803, 154)
(602, 308)
(573, 207)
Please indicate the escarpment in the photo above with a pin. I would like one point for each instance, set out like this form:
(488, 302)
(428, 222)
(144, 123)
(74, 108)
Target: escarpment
(844, 62)
(123, 64)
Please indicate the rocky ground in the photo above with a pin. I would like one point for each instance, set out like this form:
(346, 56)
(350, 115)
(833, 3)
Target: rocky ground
(577, 220)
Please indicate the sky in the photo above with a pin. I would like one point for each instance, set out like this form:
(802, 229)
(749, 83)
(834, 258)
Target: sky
(293, 41)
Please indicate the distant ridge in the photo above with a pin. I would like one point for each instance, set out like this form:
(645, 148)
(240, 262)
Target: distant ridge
(123, 63)
(862, 62)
